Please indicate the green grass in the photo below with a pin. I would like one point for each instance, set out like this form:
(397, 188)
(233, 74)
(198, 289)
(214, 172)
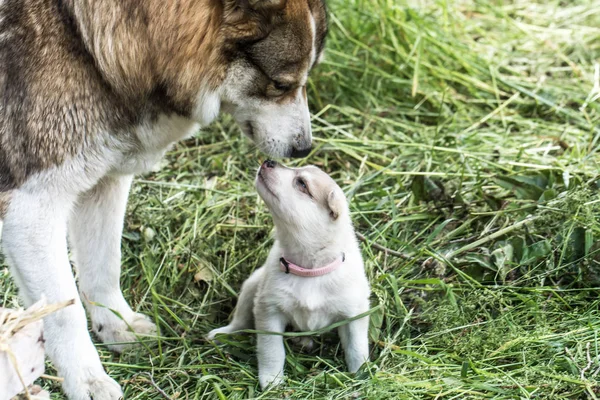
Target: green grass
(466, 135)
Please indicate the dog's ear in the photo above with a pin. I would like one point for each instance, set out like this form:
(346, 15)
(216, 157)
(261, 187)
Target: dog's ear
(336, 203)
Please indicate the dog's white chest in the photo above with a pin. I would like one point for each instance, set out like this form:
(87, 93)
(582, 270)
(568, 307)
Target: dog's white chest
(310, 307)
(153, 140)
(307, 320)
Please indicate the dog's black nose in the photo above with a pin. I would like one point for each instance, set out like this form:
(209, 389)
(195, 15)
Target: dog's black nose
(301, 153)
(269, 164)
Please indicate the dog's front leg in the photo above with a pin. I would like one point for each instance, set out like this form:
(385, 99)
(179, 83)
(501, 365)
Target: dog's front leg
(95, 234)
(35, 245)
(355, 341)
(269, 348)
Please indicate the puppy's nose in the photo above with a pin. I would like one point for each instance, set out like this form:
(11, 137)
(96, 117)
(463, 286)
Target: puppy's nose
(269, 164)
(301, 153)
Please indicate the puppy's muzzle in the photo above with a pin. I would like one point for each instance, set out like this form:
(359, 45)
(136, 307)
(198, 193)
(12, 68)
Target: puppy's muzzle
(269, 164)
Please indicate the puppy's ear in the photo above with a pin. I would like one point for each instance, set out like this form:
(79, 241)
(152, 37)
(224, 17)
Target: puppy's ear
(336, 203)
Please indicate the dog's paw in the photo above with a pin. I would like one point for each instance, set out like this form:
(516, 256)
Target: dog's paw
(118, 334)
(270, 379)
(88, 386)
(225, 329)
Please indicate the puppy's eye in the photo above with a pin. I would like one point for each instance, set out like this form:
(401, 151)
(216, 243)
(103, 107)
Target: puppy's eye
(301, 183)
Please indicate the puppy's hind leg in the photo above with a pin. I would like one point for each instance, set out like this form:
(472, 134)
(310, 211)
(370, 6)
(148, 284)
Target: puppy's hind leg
(243, 317)
(35, 245)
(95, 234)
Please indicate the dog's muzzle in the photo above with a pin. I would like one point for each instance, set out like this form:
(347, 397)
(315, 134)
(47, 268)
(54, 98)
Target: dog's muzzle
(300, 153)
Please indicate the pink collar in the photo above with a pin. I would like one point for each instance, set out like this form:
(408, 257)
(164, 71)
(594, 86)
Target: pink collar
(291, 268)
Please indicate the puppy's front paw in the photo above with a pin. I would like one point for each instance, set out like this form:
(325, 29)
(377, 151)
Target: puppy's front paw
(118, 334)
(87, 385)
(270, 379)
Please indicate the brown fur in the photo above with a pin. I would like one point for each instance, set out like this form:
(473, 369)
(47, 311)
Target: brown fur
(72, 68)
(4, 200)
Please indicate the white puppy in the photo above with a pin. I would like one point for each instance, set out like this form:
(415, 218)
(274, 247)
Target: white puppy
(314, 275)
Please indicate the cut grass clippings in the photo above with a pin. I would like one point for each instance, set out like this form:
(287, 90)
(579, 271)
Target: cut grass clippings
(465, 134)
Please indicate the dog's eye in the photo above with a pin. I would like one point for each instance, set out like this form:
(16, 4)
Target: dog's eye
(302, 185)
(279, 88)
(282, 86)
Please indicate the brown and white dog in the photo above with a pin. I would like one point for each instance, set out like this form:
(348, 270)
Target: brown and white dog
(94, 91)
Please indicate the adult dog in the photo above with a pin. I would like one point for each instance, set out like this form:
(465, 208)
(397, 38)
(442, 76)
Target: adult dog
(94, 91)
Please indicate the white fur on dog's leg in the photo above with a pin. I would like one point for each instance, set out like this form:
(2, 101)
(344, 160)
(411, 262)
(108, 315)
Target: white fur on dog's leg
(35, 245)
(95, 232)
(269, 348)
(355, 341)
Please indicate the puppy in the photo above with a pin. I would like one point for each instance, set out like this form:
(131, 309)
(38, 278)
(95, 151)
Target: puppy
(314, 275)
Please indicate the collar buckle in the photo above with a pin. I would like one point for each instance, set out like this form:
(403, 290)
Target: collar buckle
(286, 264)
